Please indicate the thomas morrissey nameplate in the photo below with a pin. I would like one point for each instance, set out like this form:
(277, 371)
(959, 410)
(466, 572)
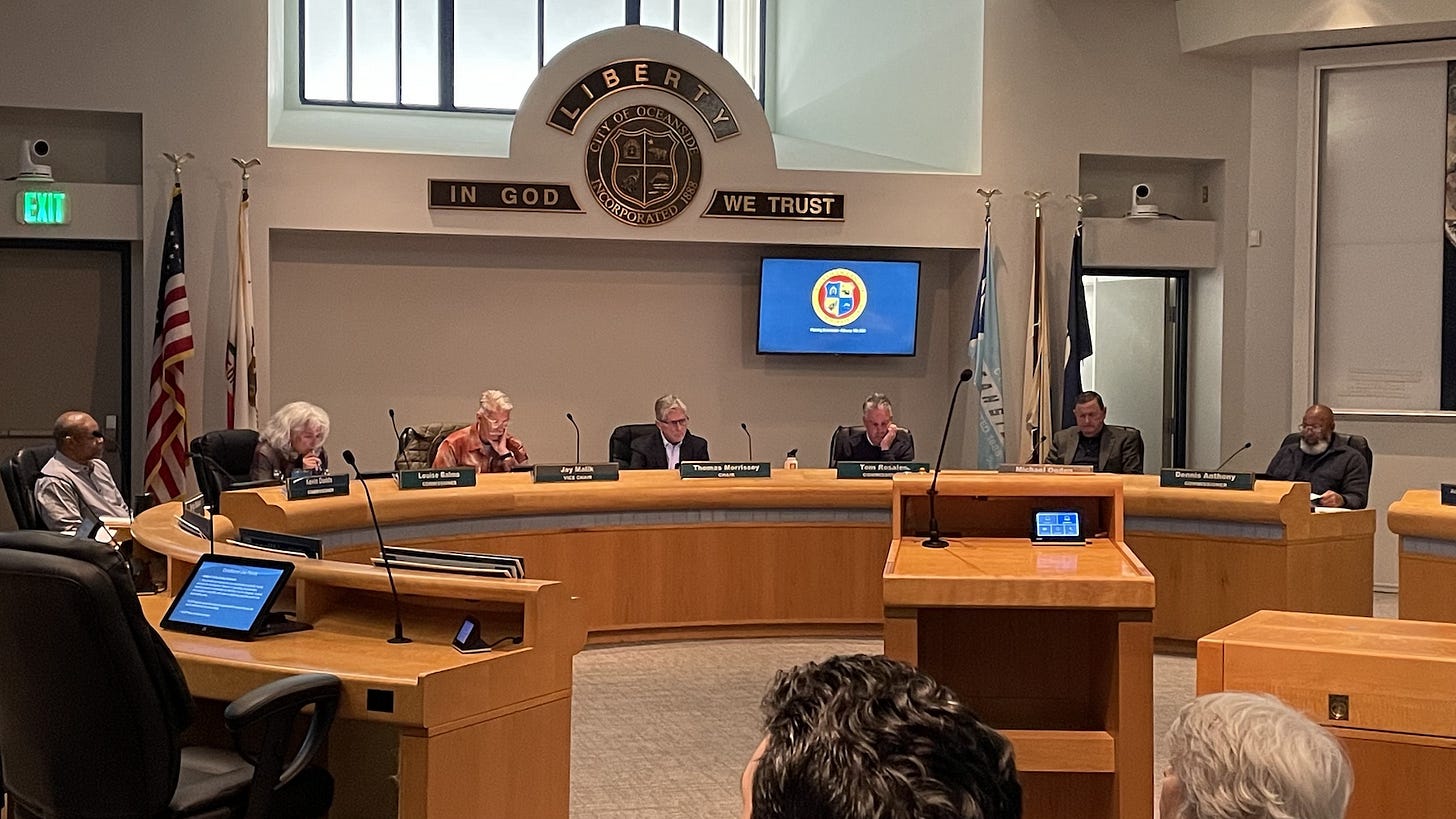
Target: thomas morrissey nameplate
(571, 473)
(724, 469)
(436, 478)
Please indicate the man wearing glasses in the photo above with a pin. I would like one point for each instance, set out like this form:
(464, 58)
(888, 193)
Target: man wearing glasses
(673, 444)
(1336, 472)
(75, 479)
(486, 445)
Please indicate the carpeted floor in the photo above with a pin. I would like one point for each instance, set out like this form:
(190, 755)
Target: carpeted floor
(662, 730)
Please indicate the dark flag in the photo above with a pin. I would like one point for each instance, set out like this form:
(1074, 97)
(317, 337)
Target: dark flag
(1079, 334)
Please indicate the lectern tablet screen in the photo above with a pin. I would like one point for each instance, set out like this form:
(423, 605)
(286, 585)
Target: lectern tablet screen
(227, 596)
(1060, 526)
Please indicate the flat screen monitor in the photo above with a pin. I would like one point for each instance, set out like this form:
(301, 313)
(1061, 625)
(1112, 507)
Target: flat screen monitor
(1057, 526)
(227, 596)
(838, 307)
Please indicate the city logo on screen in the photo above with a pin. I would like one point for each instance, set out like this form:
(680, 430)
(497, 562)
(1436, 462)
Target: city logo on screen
(643, 165)
(839, 297)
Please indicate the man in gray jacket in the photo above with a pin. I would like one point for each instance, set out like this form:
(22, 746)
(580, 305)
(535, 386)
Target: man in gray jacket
(1095, 443)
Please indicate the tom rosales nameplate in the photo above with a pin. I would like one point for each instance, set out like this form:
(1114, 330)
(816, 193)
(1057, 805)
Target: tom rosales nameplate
(813, 207)
(466, 194)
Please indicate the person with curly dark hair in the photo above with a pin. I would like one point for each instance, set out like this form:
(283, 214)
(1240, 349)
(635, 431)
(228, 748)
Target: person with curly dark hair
(866, 737)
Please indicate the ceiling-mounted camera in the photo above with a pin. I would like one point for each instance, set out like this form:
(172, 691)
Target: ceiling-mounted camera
(32, 152)
(1141, 207)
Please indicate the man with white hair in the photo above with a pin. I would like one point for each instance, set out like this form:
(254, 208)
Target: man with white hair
(1236, 755)
(880, 440)
(672, 443)
(486, 445)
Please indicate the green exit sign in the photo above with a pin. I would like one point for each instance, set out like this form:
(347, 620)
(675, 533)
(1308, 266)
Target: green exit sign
(42, 208)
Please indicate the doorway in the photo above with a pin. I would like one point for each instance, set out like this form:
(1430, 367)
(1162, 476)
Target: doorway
(66, 343)
(1139, 365)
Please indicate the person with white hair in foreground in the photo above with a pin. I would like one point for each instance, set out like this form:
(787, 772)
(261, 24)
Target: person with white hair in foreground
(1236, 755)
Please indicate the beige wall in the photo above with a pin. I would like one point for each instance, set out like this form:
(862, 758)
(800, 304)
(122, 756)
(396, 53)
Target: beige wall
(1062, 78)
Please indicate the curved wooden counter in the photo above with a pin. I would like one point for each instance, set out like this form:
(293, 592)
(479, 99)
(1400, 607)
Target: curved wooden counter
(654, 556)
(1221, 555)
(421, 726)
(1427, 533)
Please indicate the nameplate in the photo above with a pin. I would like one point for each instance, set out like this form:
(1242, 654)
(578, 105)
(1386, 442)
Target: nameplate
(857, 470)
(571, 473)
(1198, 479)
(1046, 469)
(1448, 494)
(724, 469)
(466, 194)
(316, 486)
(435, 478)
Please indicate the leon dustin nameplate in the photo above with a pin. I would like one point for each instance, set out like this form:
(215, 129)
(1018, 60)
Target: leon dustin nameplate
(465, 194)
(856, 470)
(571, 473)
(1198, 479)
(724, 469)
(818, 207)
(436, 478)
(316, 486)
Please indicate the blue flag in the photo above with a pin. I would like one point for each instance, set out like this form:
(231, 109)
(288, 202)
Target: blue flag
(1079, 335)
(985, 352)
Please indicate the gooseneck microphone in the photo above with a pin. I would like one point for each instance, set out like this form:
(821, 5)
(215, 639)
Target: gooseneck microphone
(578, 436)
(935, 541)
(398, 439)
(1246, 445)
(389, 572)
(214, 469)
(744, 426)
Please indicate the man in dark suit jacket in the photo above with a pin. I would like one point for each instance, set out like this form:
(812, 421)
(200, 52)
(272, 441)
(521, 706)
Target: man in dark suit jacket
(672, 443)
(879, 440)
(1105, 447)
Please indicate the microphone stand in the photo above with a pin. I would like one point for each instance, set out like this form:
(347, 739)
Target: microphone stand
(578, 436)
(935, 541)
(750, 439)
(398, 637)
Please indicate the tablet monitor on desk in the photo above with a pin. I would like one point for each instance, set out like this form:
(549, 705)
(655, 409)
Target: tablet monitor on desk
(1062, 526)
(228, 596)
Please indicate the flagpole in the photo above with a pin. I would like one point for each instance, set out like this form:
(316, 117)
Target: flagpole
(172, 344)
(240, 360)
(985, 353)
(1079, 330)
(1036, 385)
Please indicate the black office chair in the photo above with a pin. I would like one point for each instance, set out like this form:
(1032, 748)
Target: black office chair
(1355, 442)
(19, 473)
(839, 442)
(228, 461)
(418, 445)
(94, 702)
(619, 446)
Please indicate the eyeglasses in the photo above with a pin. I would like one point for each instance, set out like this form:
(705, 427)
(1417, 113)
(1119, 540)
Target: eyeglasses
(1311, 427)
(679, 423)
(95, 433)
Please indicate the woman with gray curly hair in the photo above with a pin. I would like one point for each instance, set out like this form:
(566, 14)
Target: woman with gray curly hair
(1235, 755)
(293, 439)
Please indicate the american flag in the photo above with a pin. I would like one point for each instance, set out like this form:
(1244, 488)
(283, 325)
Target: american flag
(166, 464)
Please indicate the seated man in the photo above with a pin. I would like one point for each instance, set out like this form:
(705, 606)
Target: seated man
(861, 737)
(880, 440)
(673, 444)
(1335, 471)
(1235, 754)
(75, 478)
(1104, 447)
(486, 445)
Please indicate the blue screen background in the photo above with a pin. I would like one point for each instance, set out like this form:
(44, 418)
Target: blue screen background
(226, 595)
(786, 309)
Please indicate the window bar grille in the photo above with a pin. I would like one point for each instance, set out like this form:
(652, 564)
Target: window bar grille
(720, 28)
(399, 52)
(349, 50)
(634, 13)
(540, 34)
(446, 57)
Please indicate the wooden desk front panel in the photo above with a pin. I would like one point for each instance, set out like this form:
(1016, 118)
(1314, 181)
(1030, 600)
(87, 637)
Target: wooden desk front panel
(1427, 533)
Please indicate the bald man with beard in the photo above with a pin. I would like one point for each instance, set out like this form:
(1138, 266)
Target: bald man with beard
(1336, 472)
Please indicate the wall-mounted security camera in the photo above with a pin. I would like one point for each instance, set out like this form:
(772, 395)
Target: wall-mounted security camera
(1141, 207)
(32, 153)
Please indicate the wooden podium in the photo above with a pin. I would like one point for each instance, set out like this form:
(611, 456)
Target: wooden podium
(1051, 645)
(1382, 686)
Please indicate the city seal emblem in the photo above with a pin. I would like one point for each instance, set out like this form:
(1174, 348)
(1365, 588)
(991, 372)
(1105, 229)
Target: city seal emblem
(643, 165)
